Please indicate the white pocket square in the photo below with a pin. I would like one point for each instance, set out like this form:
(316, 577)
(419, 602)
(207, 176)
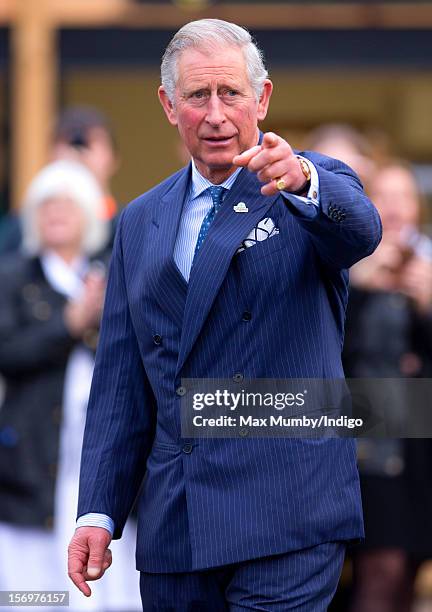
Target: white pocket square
(265, 229)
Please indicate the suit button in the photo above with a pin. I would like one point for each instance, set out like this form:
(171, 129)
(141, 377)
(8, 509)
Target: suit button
(238, 377)
(42, 311)
(157, 339)
(30, 292)
(187, 448)
(181, 391)
(247, 316)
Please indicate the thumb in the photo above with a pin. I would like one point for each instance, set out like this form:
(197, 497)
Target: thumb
(269, 140)
(244, 158)
(96, 559)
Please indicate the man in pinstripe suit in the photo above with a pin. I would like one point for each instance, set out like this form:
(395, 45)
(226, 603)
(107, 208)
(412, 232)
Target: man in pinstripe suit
(194, 292)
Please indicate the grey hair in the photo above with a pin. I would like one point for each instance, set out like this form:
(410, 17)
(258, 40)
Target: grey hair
(74, 180)
(206, 34)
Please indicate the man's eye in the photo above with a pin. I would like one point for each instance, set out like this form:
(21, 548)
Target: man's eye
(198, 95)
(230, 93)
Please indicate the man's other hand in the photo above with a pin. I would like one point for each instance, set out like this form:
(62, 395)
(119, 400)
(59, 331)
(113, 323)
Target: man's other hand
(273, 159)
(88, 556)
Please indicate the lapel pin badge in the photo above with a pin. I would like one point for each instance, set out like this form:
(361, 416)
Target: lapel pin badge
(240, 208)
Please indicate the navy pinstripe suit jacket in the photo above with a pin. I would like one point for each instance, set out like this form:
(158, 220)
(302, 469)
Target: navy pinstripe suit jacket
(228, 500)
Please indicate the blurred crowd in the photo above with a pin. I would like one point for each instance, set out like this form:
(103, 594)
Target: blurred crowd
(54, 256)
(388, 335)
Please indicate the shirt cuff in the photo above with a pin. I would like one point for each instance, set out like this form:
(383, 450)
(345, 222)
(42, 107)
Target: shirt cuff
(313, 195)
(96, 519)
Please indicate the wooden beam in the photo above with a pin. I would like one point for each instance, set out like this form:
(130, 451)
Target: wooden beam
(34, 86)
(127, 13)
(130, 14)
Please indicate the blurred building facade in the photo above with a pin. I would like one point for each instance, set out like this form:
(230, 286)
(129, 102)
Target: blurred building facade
(363, 63)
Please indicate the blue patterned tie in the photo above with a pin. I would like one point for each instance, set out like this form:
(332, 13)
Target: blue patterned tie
(217, 193)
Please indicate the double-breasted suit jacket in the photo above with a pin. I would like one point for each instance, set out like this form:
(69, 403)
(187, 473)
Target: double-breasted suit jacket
(274, 310)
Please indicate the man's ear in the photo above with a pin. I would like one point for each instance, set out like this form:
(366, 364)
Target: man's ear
(264, 100)
(167, 105)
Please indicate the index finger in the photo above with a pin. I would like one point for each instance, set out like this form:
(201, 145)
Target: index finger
(244, 158)
(76, 574)
(270, 140)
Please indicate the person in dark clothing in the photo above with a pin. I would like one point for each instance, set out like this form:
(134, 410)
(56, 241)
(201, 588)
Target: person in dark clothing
(389, 335)
(50, 306)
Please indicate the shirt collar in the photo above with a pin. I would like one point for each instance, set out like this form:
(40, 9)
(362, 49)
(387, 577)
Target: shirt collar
(199, 183)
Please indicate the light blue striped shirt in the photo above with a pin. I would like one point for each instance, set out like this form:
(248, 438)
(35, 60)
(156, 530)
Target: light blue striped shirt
(197, 205)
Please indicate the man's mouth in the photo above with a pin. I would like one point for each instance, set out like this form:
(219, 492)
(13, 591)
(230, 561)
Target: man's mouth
(218, 140)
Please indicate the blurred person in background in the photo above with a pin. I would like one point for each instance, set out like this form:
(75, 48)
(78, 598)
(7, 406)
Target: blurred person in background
(50, 306)
(389, 335)
(85, 135)
(345, 143)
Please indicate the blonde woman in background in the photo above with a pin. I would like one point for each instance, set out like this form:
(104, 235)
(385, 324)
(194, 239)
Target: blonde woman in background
(51, 299)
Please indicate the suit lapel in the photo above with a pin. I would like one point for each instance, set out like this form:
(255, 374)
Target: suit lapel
(212, 262)
(166, 281)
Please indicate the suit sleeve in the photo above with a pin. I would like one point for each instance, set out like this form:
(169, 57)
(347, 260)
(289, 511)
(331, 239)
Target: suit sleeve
(345, 227)
(121, 413)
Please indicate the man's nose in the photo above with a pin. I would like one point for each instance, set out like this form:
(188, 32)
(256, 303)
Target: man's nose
(215, 111)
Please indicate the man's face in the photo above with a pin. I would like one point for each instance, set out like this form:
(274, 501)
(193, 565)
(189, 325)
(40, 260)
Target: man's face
(215, 108)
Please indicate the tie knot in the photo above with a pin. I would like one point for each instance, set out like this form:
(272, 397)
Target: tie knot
(217, 193)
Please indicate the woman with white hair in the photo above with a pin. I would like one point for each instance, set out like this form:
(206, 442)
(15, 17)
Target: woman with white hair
(51, 299)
